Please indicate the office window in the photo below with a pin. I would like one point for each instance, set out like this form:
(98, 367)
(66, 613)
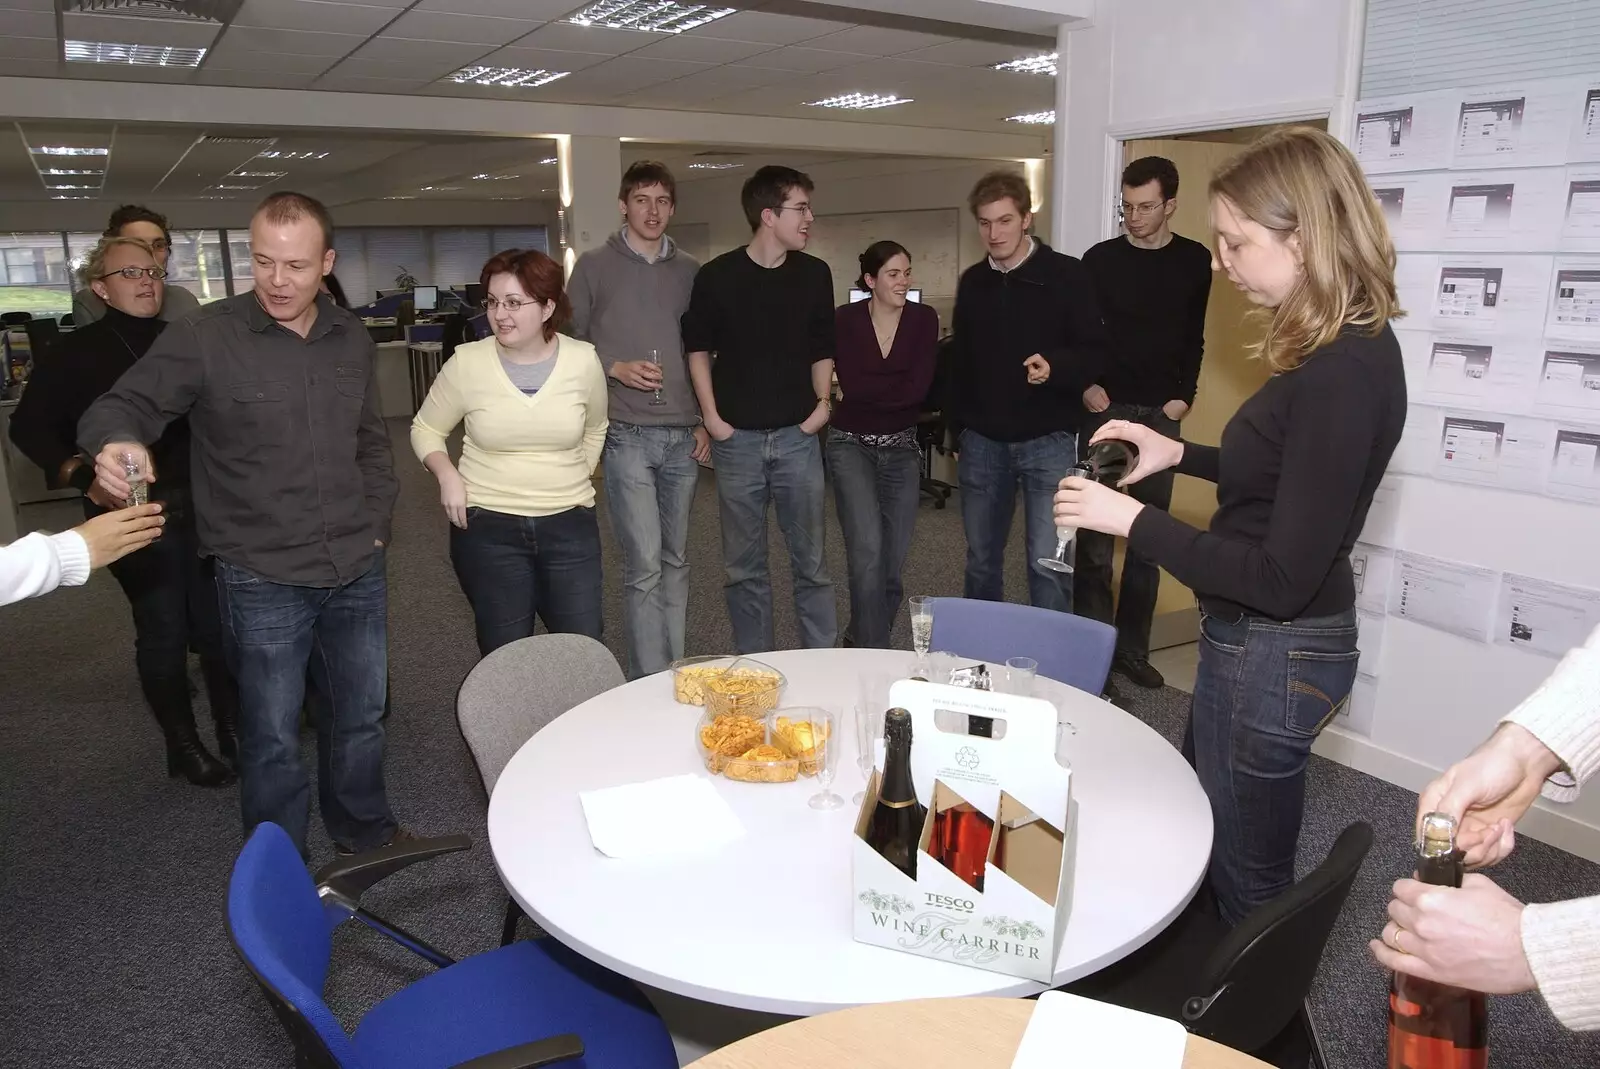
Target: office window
(239, 260)
(459, 254)
(520, 237)
(33, 273)
(196, 264)
(1419, 45)
(393, 255)
(350, 265)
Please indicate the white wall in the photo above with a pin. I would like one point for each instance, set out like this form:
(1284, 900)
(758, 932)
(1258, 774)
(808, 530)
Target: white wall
(86, 216)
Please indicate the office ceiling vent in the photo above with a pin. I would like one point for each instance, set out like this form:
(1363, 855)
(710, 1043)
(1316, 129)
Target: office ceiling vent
(218, 11)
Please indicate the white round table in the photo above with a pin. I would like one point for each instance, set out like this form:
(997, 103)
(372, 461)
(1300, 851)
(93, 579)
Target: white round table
(764, 923)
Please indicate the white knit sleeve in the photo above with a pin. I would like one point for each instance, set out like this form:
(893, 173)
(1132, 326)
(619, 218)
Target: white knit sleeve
(38, 563)
(1564, 714)
(1559, 939)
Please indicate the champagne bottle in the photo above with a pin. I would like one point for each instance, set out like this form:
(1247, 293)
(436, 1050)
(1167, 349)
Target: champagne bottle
(1108, 460)
(896, 824)
(961, 836)
(1433, 1025)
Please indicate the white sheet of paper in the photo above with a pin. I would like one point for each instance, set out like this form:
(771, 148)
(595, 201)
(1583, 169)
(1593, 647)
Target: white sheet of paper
(1418, 450)
(1374, 572)
(1520, 126)
(1586, 131)
(1544, 617)
(1369, 642)
(1489, 449)
(1575, 299)
(1473, 371)
(1491, 293)
(1580, 210)
(1072, 1032)
(1405, 133)
(672, 815)
(1568, 383)
(1575, 465)
(1504, 210)
(1414, 206)
(1361, 709)
(1453, 597)
(1383, 517)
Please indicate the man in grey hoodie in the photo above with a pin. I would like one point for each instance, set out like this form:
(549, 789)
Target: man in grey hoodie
(627, 297)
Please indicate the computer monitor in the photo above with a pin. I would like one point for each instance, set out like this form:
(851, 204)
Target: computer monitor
(475, 294)
(425, 298)
(914, 296)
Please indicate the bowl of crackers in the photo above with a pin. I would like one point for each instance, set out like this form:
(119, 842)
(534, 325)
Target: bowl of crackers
(739, 681)
(741, 746)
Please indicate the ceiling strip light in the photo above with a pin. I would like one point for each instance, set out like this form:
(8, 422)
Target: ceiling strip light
(62, 150)
(714, 166)
(133, 55)
(1034, 118)
(655, 16)
(276, 154)
(69, 170)
(1045, 64)
(507, 77)
(860, 101)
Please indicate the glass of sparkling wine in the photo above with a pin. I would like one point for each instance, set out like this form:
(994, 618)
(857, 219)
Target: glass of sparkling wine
(133, 471)
(1061, 560)
(655, 358)
(826, 751)
(921, 607)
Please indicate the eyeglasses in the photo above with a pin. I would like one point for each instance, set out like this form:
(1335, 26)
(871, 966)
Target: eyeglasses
(510, 304)
(133, 273)
(803, 209)
(1143, 209)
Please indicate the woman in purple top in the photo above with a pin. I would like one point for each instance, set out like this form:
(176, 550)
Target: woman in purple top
(884, 352)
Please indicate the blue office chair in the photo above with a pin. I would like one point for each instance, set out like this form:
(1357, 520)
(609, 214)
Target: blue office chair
(529, 1004)
(1074, 650)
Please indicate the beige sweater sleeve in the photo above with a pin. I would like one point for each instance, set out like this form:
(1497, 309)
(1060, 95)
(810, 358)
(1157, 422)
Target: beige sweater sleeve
(1564, 714)
(1562, 941)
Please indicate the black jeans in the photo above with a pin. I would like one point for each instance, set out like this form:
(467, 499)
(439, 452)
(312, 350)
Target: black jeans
(168, 586)
(1136, 601)
(513, 568)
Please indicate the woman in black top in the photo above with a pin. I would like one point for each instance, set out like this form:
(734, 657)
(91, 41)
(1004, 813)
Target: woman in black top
(883, 352)
(1300, 233)
(166, 583)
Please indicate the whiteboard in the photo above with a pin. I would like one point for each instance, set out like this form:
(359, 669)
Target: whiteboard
(932, 237)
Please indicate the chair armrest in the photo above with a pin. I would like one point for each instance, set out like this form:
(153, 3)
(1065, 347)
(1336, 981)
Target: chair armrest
(352, 875)
(547, 1051)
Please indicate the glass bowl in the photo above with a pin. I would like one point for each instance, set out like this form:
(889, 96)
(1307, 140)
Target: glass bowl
(689, 676)
(746, 687)
(741, 746)
(793, 736)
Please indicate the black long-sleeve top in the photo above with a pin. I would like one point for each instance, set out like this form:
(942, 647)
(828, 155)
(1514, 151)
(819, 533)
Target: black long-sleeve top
(1295, 474)
(84, 364)
(883, 394)
(1044, 305)
(1154, 303)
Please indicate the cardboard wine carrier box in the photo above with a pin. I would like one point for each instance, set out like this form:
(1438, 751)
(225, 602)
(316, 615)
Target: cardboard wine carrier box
(1014, 924)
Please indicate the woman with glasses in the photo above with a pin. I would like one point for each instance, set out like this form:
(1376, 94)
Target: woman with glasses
(141, 223)
(166, 583)
(523, 536)
(884, 353)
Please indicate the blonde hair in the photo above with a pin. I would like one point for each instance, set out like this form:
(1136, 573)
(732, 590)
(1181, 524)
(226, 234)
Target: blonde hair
(1300, 180)
(95, 266)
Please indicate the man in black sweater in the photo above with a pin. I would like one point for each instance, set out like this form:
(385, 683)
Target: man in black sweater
(1152, 286)
(1027, 340)
(766, 313)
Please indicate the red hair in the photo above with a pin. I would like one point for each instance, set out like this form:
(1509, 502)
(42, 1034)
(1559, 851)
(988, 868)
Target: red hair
(541, 278)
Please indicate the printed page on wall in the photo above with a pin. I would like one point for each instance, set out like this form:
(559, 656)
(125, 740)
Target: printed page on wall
(1405, 133)
(1580, 210)
(1523, 126)
(1543, 617)
(1445, 595)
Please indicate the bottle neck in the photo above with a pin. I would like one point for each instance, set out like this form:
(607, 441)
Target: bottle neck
(897, 790)
(1443, 870)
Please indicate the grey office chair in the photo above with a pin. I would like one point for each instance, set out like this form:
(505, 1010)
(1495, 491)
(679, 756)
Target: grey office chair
(518, 689)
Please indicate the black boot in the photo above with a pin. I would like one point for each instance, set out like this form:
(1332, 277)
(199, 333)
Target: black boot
(223, 695)
(186, 754)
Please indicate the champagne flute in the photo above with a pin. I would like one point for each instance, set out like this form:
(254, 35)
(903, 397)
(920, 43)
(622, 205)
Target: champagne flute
(655, 358)
(824, 756)
(869, 729)
(921, 609)
(1020, 673)
(133, 471)
(1060, 562)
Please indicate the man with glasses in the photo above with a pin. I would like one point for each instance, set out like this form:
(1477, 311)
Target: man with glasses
(1153, 286)
(759, 333)
(150, 227)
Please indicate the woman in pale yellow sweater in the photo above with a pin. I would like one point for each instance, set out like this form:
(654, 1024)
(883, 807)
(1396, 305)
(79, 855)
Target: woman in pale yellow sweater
(1479, 937)
(523, 536)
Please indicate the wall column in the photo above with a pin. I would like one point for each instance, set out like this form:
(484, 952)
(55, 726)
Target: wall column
(591, 172)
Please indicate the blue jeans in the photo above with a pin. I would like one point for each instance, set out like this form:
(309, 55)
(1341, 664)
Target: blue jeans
(650, 481)
(1263, 692)
(513, 568)
(990, 472)
(783, 466)
(273, 633)
(876, 491)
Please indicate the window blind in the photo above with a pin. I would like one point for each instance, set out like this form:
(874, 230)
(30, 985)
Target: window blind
(393, 249)
(459, 254)
(519, 237)
(1415, 46)
(350, 265)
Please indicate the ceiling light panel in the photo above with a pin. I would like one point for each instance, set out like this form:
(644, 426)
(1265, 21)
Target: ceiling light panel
(65, 150)
(133, 55)
(704, 166)
(506, 77)
(276, 154)
(71, 171)
(655, 16)
(257, 174)
(1044, 64)
(494, 177)
(1034, 118)
(860, 101)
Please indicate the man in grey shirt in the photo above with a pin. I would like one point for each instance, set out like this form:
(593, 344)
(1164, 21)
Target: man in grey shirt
(150, 227)
(294, 488)
(627, 297)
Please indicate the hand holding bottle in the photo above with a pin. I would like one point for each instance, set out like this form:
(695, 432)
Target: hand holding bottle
(1157, 452)
(1468, 937)
(1490, 790)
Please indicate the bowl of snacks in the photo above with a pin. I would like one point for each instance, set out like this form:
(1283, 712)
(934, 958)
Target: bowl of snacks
(796, 736)
(689, 677)
(740, 746)
(746, 686)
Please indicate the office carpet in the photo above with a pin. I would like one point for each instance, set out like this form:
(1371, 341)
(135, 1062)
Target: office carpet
(113, 948)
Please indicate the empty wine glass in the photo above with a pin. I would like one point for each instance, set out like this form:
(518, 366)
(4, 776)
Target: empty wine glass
(1020, 672)
(869, 729)
(655, 358)
(825, 749)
